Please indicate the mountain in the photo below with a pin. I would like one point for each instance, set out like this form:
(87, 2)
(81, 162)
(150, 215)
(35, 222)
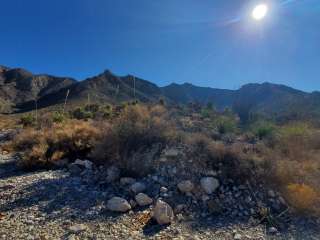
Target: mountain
(189, 93)
(105, 87)
(20, 88)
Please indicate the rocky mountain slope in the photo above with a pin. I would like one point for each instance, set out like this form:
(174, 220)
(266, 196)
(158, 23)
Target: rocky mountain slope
(19, 89)
(19, 86)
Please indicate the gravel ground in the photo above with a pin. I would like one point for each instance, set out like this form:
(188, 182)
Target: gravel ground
(54, 205)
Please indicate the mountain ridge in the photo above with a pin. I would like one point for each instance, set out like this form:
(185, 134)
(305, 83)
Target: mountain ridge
(19, 89)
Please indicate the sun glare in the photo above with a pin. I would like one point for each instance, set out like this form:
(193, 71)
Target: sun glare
(259, 12)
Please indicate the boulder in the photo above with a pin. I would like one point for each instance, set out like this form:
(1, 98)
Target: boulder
(185, 186)
(163, 213)
(117, 204)
(209, 184)
(77, 228)
(143, 199)
(138, 187)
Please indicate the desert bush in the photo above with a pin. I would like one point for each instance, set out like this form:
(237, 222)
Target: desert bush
(72, 139)
(58, 117)
(295, 163)
(28, 120)
(138, 128)
(303, 198)
(81, 113)
(225, 124)
(237, 161)
(263, 129)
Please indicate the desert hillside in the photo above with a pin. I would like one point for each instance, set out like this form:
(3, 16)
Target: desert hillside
(157, 171)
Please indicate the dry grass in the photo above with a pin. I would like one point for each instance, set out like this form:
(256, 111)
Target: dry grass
(7, 121)
(295, 171)
(41, 148)
(303, 198)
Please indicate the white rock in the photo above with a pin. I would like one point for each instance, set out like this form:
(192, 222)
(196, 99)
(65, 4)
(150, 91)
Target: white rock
(185, 186)
(77, 228)
(171, 152)
(117, 204)
(209, 184)
(163, 213)
(143, 199)
(273, 230)
(138, 187)
(85, 163)
(163, 189)
(237, 236)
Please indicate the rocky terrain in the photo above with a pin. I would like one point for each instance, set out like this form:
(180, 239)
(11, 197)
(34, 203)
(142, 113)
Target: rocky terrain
(83, 201)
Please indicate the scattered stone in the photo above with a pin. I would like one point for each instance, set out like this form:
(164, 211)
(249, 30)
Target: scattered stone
(163, 213)
(185, 186)
(77, 228)
(138, 187)
(209, 184)
(143, 199)
(117, 204)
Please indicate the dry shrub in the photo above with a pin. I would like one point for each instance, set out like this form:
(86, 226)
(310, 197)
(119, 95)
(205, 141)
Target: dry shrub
(303, 198)
(137, 129)
(41, 148)
(295, 162)
(7, 122)
(237, 161)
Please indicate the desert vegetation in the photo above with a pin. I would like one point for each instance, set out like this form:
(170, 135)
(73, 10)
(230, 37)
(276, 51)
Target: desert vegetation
(132, 135)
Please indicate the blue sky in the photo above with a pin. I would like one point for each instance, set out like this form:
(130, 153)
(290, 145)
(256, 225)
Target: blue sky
(208, 43)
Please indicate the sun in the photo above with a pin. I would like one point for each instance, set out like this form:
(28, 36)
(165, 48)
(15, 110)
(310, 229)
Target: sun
(259, 12)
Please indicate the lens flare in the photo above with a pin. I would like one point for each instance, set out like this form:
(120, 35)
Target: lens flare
(259, 12)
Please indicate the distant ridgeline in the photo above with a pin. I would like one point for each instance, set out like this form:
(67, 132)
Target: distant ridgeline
(21, 91)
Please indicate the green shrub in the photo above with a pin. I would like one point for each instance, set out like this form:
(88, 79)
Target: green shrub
(28, 120)
(225, 124)
(81, 113)
(263, 129)
(58, 117)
